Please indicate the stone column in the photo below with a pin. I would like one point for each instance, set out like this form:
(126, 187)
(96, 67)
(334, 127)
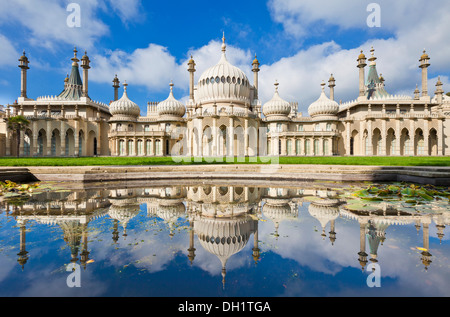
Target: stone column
(231, 136)
(76, 138)
(49, 137)
(426, 140)
(398, 135)
(440, 138)
(21, 136)
(383, 138)
(246, 136)
(63, 139)
(35, 147)
(347, 140)
(215, 148)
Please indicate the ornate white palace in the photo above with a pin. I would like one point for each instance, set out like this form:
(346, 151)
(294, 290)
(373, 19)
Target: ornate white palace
(224, 117)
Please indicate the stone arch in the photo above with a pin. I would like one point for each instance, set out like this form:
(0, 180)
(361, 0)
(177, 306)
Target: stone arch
(69, 143)
(81, 139)
(207, 141)
(239, 141)
(27, 142)
(55, 143)
(433, 142)
(122, 148)
(222, 141)
(354, 143)
(391, 142)
(365, 145)
(419, 142)
(405, 143)
(42, 142)
(91, 150)
(376, 142)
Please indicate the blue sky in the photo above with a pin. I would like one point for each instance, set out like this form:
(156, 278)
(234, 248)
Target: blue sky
(298, 42)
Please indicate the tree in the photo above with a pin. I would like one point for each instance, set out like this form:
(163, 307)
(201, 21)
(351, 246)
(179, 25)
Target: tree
(448, 94)
(16, 124)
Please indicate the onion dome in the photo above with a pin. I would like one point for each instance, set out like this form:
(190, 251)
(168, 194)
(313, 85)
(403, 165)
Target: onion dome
(361, 56)
(223, 82)
(171, 106)
(324, 213)
(124, 107)
(323, 106)
(424, 56)
(277, 106)
(224, 237)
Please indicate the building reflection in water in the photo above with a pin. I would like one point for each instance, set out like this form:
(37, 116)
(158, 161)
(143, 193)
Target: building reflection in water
(223, 217)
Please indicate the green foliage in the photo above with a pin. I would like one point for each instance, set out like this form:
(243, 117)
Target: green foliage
(400, 196)
(17, 123)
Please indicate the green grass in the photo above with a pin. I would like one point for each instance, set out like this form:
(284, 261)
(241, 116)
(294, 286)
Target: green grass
(93, 161)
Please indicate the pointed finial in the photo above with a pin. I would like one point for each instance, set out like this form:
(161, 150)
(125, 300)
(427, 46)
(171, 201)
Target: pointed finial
(125, 85)
(323, 85)
(276, 86)
(171, 87)
(224, 46)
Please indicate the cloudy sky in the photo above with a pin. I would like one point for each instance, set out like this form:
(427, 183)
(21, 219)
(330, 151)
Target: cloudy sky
(298, 42)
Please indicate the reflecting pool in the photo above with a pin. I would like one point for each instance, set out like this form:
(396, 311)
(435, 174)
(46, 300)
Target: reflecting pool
(218, 239)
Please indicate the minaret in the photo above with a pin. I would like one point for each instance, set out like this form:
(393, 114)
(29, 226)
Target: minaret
(426, 255)
(424, 63)
(24, 67)
(191, 250)
(255, 70)
(85, 65)
(116, 87)
(331, 85)
(362, 245)
(191, 70)
(361, 64)
(256, 251)
(332, 232)
(23, 254)
(84, 255)
(439, 91)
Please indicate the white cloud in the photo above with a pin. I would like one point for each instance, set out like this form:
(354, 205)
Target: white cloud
(413, 25)
(8, 54)
(46, 20)
(154, 66)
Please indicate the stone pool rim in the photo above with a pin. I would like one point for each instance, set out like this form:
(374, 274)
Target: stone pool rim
(434, 175)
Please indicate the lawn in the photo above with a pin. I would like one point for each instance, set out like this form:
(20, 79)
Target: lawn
(352, 160)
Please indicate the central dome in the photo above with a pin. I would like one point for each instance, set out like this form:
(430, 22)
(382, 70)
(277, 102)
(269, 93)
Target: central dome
(223, 82)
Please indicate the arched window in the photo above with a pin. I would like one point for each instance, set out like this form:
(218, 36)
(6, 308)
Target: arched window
(298, 147)
(289, 147)
(316, 147)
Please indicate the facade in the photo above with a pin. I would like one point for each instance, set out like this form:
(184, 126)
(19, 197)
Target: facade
(225, 117)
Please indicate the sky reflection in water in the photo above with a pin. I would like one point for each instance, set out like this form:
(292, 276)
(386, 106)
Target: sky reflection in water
(216, 240)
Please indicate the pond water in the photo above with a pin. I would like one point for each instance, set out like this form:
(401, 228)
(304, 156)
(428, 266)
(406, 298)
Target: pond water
(218, 239)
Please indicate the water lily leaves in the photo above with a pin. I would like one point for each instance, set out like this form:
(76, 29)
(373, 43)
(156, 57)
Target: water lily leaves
(403, 197)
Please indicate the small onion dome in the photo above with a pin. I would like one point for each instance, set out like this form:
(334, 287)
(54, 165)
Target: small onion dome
(323, 106)
(361, 56)
(424, 55)
(255, 61)
(276, 106)
(124, 106)
(171, 106)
